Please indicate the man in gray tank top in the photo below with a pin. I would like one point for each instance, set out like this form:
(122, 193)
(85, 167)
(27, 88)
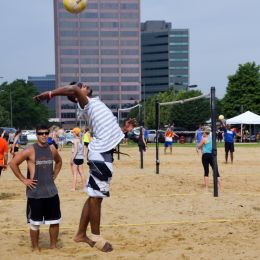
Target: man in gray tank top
(106, 136)
(43, 204)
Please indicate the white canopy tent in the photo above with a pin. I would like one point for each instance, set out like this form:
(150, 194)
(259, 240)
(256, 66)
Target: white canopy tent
(247, 118)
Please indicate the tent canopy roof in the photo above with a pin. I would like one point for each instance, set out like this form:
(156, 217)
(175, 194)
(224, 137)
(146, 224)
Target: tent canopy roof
(247, 118)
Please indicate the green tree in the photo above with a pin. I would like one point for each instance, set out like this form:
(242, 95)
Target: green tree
(25, 112)
(243, 91)
(4, 117)
(188, 115)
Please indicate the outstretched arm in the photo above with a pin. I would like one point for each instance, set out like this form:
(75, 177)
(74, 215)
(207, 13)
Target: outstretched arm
(223, 124)
(70, 91)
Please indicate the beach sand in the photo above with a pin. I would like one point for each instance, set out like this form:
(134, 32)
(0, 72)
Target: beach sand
(149, 216)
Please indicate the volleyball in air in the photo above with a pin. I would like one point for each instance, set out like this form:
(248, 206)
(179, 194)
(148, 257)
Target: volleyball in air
(221, 117)
(75, 6)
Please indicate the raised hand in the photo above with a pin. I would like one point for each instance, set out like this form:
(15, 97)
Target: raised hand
(43, 96)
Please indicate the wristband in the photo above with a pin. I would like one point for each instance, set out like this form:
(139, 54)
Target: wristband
(50, 96)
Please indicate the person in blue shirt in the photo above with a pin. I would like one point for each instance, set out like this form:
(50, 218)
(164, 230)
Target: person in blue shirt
(207, 157)
(229, 136)
(198, 136)
(146, 135)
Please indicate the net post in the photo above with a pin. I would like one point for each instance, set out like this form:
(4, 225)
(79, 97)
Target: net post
(141, 150)
(157, 111)
(118, 146)
(214, 145)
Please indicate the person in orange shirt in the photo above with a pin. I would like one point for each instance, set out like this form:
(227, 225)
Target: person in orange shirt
(3, 152)
(169, 134)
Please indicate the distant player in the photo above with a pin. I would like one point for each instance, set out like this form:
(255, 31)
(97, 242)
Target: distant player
(229, 136)
(169, 135)
(3, 152)
(198, 136)
(207, 157)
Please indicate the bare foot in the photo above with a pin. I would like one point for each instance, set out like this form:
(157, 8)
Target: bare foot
(84, 239)
(36, 249)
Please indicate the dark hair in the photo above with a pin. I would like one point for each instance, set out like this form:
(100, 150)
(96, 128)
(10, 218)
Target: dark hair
(80, 85)
(42, 127)
(131, 121)
(1, 131)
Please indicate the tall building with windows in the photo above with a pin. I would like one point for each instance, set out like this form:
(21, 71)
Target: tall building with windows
(99, 46)
(45, 83)
(164, 56)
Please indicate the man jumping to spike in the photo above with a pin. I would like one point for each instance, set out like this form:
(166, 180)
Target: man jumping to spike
(106, 135)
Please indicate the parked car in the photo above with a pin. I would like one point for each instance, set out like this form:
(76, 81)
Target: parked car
(134, 135)
(68, 138)
(23, 137)
(31, 135)
(152, 136)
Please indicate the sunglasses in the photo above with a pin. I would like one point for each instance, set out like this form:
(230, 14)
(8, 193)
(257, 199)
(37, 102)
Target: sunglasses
(43, 133)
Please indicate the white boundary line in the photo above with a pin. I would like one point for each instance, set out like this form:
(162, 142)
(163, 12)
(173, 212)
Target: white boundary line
(171, 222)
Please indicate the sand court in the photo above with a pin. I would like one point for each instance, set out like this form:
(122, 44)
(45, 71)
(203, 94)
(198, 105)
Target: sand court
(150, 216)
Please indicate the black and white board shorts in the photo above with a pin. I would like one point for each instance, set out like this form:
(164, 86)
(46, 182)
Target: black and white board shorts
(43, 211)
(100, 174)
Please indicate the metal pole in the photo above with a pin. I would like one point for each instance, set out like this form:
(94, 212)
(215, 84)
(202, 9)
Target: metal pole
(11, 107)
(144, 105)
(118, 146)
(141, 149)
(214, 145)
(157, 113)
(141, 158)
(139, 114)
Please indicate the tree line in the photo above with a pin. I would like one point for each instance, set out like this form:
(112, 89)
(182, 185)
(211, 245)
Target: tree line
(17, 105)
(242, 94)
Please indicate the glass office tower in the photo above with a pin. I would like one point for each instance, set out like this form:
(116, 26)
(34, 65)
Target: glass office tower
(45, 83)
(165, 57)
(100, 46)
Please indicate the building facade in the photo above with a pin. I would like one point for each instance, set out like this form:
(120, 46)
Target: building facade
(164, 57)
(45, 83)
(99, 46)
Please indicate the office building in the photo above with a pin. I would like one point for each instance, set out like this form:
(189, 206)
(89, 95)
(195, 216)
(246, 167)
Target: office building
(99, 46)
(164, 56)
(45, 83)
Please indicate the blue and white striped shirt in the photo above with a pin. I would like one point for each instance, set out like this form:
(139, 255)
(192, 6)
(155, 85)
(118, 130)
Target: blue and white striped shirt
(106, 131)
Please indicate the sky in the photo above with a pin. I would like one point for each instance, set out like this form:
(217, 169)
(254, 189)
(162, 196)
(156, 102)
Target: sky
(223, 34)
